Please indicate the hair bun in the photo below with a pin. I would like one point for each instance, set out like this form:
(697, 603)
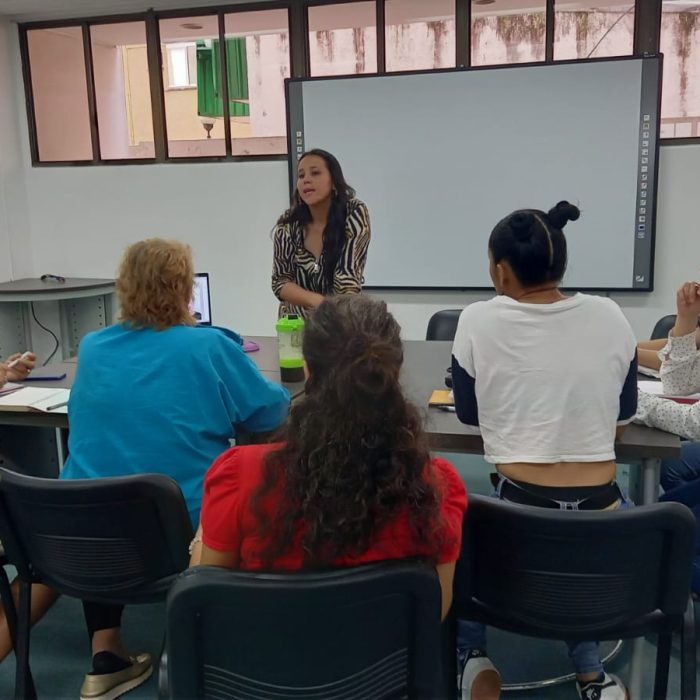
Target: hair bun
(521, 224)
(562, 213)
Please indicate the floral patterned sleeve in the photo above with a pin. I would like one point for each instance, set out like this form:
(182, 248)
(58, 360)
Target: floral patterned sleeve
(680, 365)
(665, 414)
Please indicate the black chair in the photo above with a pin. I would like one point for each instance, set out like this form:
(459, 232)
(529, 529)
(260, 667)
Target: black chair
(443, 325)
(584, 575)
(8, 601)
(366, 632)
(120, 540)
(663, 326)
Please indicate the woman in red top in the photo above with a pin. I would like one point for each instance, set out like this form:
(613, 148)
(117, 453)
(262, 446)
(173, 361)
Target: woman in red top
(352, 480)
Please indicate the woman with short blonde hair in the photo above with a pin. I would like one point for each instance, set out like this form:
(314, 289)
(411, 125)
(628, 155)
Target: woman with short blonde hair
(155, 284)
(155, 393)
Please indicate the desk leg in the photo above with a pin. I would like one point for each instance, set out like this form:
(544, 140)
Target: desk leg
(60, 451)
(647, 494)
(651, 475)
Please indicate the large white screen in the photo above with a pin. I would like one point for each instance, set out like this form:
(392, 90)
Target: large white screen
(440, 158)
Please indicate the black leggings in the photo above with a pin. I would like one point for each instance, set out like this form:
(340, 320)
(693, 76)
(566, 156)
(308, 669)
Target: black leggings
(101, 616)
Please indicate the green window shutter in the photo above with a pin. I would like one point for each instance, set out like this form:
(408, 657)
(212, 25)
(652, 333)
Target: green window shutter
(209, 100)
(237, 66)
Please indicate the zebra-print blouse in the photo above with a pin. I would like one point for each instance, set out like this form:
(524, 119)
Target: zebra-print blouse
(292, 262)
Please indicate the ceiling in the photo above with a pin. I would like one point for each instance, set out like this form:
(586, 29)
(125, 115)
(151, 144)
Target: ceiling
(32, 10)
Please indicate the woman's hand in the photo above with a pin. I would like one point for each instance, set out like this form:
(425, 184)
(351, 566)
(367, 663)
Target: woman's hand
(688, 307)
(3, 374)
(23, 367)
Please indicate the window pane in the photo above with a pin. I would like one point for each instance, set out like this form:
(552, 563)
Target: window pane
(122, 90)
(257, 50)
(59, 88)
(593, 29)
(680, 44)
(420, 34)
(508, 36)
(190, 81)
(343, 39)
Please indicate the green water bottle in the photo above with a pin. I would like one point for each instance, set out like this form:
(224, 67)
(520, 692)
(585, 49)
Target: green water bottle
(290, 331)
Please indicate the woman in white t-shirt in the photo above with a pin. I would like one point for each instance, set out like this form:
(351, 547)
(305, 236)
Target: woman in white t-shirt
(548, 378)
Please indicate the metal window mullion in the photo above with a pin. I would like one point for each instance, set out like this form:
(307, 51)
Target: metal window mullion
(29, 95)
(647, 26)
(90, 86)
(549, 32)
(224, 85)
(299, 40)
(155, 76)
(463, 33)
(381, 36)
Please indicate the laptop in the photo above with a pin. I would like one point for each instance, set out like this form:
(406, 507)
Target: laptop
(201, 300)
(201, 307)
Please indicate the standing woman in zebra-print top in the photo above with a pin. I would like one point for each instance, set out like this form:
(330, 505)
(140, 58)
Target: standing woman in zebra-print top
(321, 240)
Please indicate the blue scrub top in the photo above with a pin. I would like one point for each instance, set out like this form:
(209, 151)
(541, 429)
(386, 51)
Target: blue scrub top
(165, 401)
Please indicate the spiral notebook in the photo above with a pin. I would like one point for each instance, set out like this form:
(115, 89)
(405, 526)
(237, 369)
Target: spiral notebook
(36, 400)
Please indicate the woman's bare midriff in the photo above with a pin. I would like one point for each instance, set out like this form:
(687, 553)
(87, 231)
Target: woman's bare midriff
(560, 473)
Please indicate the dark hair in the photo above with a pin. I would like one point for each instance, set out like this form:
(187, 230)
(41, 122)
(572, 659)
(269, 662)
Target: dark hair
(533, 243)
(355, 454)
(334, 234)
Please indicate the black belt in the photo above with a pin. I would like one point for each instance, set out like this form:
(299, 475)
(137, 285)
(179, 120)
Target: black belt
(598, 501)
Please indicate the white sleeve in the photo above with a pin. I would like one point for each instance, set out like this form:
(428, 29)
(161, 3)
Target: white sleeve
(665, 414)
(462, 349)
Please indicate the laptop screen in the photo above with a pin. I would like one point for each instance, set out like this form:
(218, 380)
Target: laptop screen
(201, 303)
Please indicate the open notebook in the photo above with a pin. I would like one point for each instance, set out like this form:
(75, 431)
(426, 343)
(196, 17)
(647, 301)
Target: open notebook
(656, 388)
(35, 399)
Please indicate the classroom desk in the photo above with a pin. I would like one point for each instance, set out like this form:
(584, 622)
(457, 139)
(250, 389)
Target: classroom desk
(84, 305)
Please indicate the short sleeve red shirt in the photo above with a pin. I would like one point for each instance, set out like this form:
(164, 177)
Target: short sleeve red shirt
(228, 523)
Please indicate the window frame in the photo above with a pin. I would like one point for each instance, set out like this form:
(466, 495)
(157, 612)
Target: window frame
(646, 39)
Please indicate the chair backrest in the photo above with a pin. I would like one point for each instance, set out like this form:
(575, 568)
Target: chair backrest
(443, 325)
(663, 326)
(366, 632)
(96, 539)
(574, 574)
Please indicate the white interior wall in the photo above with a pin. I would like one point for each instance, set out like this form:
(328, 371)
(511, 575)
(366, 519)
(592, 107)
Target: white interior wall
(76, 221)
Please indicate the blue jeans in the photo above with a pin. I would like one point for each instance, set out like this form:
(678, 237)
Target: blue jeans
(584, 656)
(681, 481)
(677, 472)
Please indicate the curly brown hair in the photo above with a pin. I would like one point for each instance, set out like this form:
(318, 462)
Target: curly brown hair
(155, 284)
(355, 454)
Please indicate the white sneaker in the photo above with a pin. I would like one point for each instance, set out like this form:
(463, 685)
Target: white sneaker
(479, 679)
(610, 688)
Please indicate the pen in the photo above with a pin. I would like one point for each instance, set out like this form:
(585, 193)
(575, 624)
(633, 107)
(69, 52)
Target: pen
(58, 405)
